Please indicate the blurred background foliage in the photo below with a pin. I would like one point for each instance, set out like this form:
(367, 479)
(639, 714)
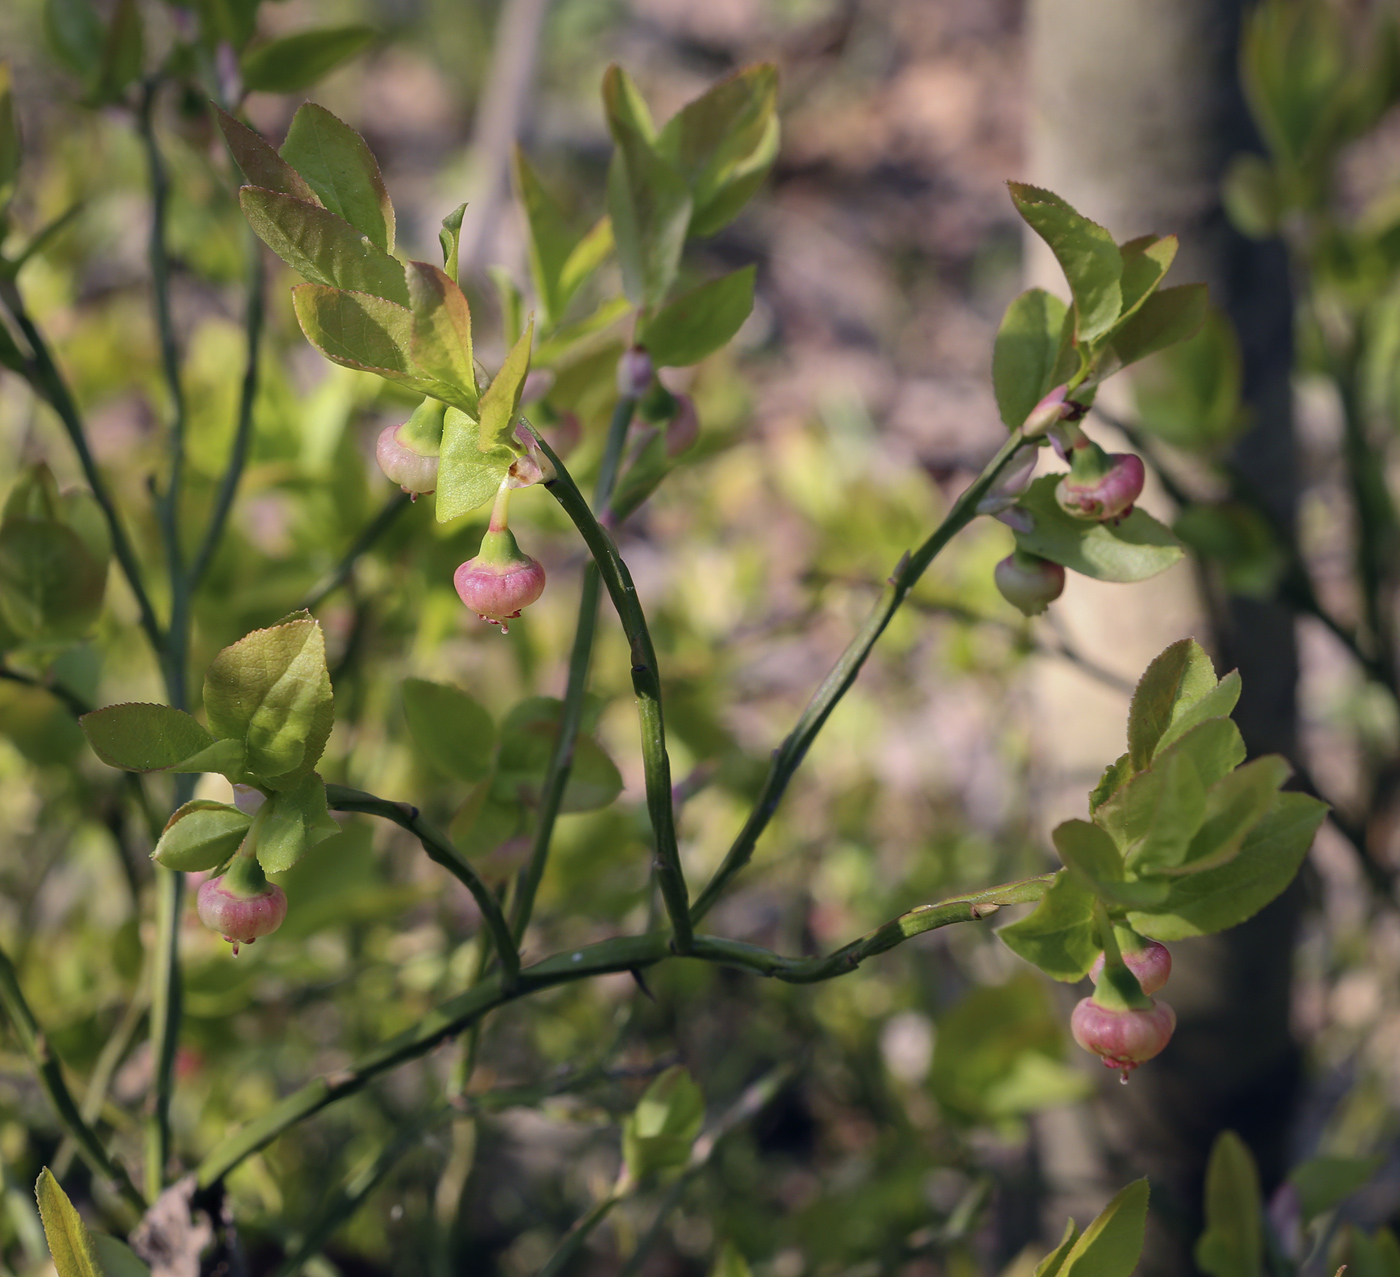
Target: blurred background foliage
(913, 1131)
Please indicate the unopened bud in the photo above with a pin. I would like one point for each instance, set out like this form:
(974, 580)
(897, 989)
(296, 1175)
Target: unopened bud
(1122, 1039)
(408, 453)
(1046, 413)
(1029, 582)
(683, 429)
(1011, 483)
(1152, 964)
(1101, 486)
(634, 373)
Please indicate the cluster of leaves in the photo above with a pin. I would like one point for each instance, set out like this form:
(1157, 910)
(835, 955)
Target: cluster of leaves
(270, 709)
(1184, 837)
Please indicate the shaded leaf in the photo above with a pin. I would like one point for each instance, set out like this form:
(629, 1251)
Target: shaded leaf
(451, 729)
(550, 239)
(699, 322)
(1146, 261)
(660, 1132)
(200, 835)
(1233, 1242)
(1166, 318)
(441, 344)
(1026, 353)
(1052, 1263)
(1059, 936)
(261, 164)
(1323, 1183)
(297, 61)
(144, 738)
(527, 740)
(292, 821)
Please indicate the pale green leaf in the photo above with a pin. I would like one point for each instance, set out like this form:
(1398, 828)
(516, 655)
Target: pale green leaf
(1172, 684)
(467, 477)
(1026, 353)
(200, 835)
(1133, 549)
(292, 821)
(1233, 1242)
(70, 1243)
(1059, 936)
(342, 170)
(501, 400)
(144, 738)
(1112, 1245)
(441, 342)
(699, 322)
(660, 1132)
(1052, 1263)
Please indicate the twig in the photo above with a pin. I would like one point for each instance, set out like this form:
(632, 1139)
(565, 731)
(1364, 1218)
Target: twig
(371, 533)
(440, 850)
(50, 1074)
(621, 953)
(561, 757)
(789, 755)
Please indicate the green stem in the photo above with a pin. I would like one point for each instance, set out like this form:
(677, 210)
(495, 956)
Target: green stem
(165, 1015)
(621, 953)
(574, 1239)
(50, 1074)
(373, 530)
(646, 684)
(1117, 988)
(243, 432)
(440, 850)
(561, 757)
(793, 750)
(48, 382)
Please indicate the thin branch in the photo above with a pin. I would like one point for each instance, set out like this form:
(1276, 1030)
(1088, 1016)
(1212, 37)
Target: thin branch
(621, 953)
(789, 755)
(243, 433)
(440, 850)
(561, 757)
(371, 533)
(646, 683)
(50, 1074)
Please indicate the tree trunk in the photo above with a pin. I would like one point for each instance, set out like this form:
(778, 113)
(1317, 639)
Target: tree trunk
(1135, 109)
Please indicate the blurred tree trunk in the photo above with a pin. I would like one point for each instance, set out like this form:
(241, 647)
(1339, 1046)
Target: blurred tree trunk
(1135, 108)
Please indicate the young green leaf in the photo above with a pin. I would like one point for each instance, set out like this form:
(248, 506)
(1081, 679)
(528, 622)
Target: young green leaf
(1164, 319)
(586, 256)
(200, 835)
(1146, 261)
(272, 690)
(1052, 1263)
(261, 165)
(1115, 776)
(1093, 858)
(1172, 684)
(1154, 817)
(342, 170)
(70, 1243)
(1059, 936)
(117, 1258)
(1216, 899)
(1026, 353)
(75, 35)
(291, 822)
(51, 588)
(501, 400)
(1234, 806)
(527, 741)
(660, 1132)
(550, 239)
(699, 322)
(648, 201)
(1233, 1243)
(1086, 253)
(441, 344)
(1218, 703)
(296, 62)
(451, 729)
(1323, 1183)
(485, 820)
(1112, 1244)
(123, 50)
(1133, 549)
(450, 237)
(144, 738)
(467, 477)
(321, 246)
(730, 1263)
(1189, 394)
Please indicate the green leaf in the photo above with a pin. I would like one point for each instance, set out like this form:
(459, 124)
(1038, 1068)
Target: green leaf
(322, 247)
(342, 170)
(648, 201)
(550, 239)
(1146, 261)
(51, 588)
(1323, 1183)
(486, 820)
(1052, 1263)
(451, 730)
(1114, 777)
(1059, 937)
(727, 138)
(1026, 353)
(699, 322)
(261, 165)
(1253, 196)
(1164, 319)
(1190, 394)
(527, 740)
(1133, 549)
(1234, 806)
(1216, 704)
(1240, 541)
(272, 690)
(441, 344)
(1112, 1244)
(450, 237)
(999, 1053)
(357, 330)
(467, 476)
(1233, 1243)
(1216, 899)
(200, 835)
(70, 1243)
(74, 33)
(587, 255)
(501, 401)
(1092, 856)
(1376, 1256)
(660, 1132)
(1154, 817)
(292, 821)
(144, 738)
(123, 50)
(730, 1263)
(1086, 253)
(296, 62)
(1176, 680)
